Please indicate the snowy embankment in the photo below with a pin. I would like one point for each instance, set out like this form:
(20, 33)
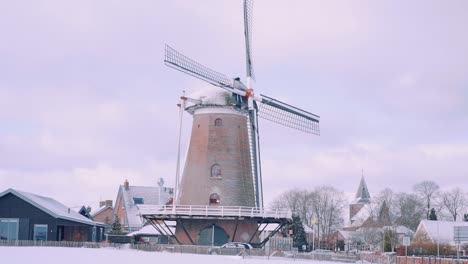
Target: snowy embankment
(56, 255)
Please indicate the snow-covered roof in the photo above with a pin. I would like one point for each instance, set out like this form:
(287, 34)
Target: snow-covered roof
(364, 213)
(404, 230)
(50, 206)
(441, 231)
(100, 210)
(148, 195)
(150, 230)
(347, 235)
(210, 95)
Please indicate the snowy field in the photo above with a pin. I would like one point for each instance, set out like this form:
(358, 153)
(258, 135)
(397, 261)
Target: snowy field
(51, 255)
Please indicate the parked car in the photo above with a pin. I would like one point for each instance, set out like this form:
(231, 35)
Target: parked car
(237, 245)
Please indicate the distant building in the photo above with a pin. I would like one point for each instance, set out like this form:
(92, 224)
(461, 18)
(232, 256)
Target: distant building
(104, 213)
(431, 232)
(129, 197)
(367, 216)
(27, 216)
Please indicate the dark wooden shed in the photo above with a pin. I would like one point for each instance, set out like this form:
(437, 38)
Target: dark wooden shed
(27, 216)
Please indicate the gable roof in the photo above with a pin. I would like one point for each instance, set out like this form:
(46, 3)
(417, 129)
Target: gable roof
(149, 195)
(441, 231)
(100, 210)
(50, 206)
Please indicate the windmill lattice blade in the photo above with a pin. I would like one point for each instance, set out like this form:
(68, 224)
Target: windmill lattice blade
(248, 17)
(178, 61)
(287, 115)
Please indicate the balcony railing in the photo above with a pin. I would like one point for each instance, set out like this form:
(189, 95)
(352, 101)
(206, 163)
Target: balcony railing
(205, 210)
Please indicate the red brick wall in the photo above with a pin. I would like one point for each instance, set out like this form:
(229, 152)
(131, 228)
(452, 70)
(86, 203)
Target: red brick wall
(226, 145)
(104, 216)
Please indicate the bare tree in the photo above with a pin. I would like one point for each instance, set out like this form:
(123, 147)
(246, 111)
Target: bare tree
(454, 201)
(296, 200)
(328, 204)
(289, 199)
(410, 210)
(427, 190)
(372, 236)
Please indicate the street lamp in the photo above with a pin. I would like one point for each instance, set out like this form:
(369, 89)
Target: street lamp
(314, 221)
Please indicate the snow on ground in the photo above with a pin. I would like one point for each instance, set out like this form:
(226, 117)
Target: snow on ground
(52, 255)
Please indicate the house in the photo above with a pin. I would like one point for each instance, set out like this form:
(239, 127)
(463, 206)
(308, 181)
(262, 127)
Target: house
(104, 213)
(129, 197)
(27, 216)
(432, 232)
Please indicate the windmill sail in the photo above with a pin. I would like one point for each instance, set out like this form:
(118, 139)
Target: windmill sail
(178, 61)
(288, 115)
(248, 16)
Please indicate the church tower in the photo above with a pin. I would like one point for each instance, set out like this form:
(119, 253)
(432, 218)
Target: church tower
(362, 198)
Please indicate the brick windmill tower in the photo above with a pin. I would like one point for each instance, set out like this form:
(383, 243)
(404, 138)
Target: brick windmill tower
(220, 196)
(218, 169)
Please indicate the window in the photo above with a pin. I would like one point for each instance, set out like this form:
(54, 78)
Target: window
(40, 232)
(216, 171)
(214, 199)
(218, 122)
(138, 200)
(9, 229)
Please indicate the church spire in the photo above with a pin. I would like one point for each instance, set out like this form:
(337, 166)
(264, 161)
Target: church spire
(362, 192)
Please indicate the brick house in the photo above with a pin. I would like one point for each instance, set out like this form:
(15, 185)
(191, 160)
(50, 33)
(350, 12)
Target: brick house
(104, 213)
(129, 197)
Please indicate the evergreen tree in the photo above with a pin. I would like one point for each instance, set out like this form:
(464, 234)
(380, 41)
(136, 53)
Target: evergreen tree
(465, 217)
(298, 232)
(388, 241)
(116, 226)
(432, 215)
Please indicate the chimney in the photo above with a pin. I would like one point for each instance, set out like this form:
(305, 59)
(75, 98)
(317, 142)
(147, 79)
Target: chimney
(105, 203)
(126, 185)
(88, 208)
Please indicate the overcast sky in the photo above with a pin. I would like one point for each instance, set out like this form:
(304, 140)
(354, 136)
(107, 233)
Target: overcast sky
(86, 101)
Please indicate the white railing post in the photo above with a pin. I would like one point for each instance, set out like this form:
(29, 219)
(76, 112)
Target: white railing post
(206, 210)
(252, 212)
(222, 211)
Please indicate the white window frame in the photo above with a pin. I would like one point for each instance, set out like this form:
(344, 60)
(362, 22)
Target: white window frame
(10, 220)
(40, 225)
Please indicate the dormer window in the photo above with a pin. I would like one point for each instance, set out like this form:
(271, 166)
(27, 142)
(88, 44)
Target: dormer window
(138, 200)
(218, 122)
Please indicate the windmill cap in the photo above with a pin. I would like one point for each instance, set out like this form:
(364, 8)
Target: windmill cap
(210, 96)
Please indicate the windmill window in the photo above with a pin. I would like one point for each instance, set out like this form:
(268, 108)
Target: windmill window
(215, 199)
(216, 171)
(218, 122)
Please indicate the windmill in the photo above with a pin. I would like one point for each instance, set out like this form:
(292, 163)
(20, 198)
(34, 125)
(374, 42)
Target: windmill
(244, 100)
